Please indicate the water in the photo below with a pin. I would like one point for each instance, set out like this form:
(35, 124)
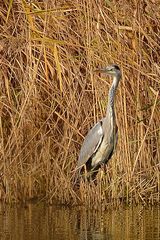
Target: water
(38, 222)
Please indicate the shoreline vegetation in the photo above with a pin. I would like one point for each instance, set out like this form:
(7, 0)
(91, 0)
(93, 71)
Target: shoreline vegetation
(50, 97)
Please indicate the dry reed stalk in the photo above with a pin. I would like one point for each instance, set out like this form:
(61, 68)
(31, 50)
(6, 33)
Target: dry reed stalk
(49, 98)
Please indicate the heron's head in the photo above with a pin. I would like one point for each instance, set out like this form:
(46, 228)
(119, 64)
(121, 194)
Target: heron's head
(112, 70)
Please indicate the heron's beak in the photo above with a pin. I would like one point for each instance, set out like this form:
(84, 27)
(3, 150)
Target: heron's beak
(102, 70)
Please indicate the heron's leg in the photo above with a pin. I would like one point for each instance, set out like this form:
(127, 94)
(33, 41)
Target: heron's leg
(94, 171)
(86, 174)
(104, 168)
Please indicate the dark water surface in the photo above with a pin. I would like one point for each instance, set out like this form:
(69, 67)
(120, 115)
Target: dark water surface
(39, 221)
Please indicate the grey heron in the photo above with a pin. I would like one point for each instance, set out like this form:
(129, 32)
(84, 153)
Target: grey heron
(101, 140)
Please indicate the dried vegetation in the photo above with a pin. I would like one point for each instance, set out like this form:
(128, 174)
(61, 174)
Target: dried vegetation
(50, 97)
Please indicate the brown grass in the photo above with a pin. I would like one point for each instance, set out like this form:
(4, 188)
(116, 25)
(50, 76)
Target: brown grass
(49, 98)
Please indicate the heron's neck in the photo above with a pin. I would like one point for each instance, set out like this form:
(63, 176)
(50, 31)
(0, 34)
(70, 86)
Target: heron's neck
(111, 95)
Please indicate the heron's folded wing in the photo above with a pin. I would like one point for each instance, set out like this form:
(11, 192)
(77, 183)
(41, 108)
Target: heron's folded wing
(91, 143)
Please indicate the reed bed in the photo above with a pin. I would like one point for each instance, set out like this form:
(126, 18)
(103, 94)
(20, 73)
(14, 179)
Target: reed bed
(50, 97)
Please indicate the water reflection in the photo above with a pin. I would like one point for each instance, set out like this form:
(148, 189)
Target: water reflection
(38, 222)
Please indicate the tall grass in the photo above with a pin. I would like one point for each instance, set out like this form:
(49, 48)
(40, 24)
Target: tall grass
(50, 97)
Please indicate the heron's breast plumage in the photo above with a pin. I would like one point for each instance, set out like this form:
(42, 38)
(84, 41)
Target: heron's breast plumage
(106, 147)
(100, 155)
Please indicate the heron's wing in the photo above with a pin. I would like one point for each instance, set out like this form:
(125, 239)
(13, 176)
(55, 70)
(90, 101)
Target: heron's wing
(91, 143)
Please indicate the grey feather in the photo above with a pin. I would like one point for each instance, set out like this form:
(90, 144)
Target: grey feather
(91, 143)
